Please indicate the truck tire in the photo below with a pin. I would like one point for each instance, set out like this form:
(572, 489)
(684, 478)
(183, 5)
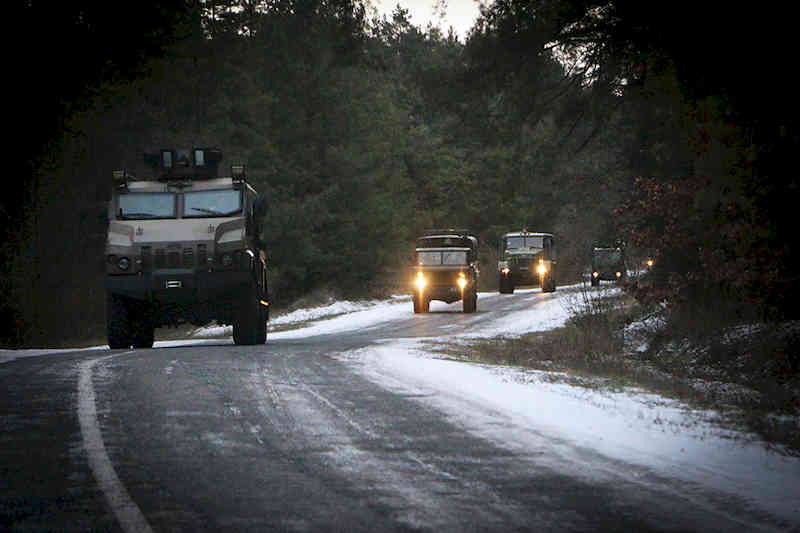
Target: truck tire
(550, 284)
(470, 302)
(417, 304)
(118, 323)
(503, 284)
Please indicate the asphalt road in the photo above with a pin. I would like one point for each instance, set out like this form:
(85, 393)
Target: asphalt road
(286, 437)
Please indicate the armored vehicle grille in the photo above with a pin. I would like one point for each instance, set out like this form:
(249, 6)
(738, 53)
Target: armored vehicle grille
(188, 257)
(173, 259)
(160, 258)
(147, 258)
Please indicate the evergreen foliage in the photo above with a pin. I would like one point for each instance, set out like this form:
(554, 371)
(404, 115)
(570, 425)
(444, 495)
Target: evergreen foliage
(363, 132)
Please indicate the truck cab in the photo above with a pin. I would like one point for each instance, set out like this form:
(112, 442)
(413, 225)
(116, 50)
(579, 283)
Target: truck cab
(526, 258)
(608, 264)
(184, 246)
(446, 269)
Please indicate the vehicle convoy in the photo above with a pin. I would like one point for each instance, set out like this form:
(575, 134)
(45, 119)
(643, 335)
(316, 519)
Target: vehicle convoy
(446, 268)
(184, 246)
(526, 258)
(608, 264)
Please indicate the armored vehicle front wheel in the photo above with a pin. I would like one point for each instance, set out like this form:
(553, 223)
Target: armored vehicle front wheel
(250, 324)
(142, 329)
(118, 323)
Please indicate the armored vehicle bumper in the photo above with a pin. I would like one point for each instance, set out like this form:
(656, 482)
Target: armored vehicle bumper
(179, 285)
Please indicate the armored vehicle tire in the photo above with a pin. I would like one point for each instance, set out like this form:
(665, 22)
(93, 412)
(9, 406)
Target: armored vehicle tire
(118, 323)
(250, 324)
(142, 330)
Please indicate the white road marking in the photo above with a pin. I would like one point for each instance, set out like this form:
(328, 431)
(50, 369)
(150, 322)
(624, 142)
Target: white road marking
(125, 509)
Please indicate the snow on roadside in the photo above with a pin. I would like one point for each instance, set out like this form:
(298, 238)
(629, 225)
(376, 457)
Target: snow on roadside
(521, 410)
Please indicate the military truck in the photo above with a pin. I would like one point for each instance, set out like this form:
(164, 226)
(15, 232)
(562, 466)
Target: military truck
(526, 258)
(184, 246)
(445, 268)
(608, 264)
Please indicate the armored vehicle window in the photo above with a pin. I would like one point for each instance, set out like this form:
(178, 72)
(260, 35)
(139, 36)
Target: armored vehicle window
(515, 242)
(146, 205)
(216, 203)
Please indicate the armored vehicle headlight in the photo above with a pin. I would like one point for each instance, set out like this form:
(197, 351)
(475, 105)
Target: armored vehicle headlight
(462, 282)
(124, 263)
(505, 270)
(619, 274)
(420, 281)
(541, 268)
(595, 274)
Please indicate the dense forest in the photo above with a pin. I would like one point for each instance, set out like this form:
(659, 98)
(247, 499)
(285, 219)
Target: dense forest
(668, 126)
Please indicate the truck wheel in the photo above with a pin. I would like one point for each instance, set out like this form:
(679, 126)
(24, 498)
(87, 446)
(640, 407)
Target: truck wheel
(502, 284)
(425, 305)
(470, 302)
(118, 324)
(417, 304)
(550, 284)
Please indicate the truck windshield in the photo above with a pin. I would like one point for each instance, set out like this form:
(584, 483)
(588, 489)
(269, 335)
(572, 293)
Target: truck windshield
(450, 257)
(146, 205)
(528, 241)
(216, 203)
(607, 257)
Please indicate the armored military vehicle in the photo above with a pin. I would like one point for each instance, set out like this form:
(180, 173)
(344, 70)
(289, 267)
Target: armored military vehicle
(445, 268)
(608, 264)
(526, 258)
(184, 246)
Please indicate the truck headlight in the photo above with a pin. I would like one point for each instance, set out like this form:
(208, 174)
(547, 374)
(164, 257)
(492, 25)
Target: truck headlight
(541, 269)
(462, 282)
(505, 270)
(420, 281)
(619, 274)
